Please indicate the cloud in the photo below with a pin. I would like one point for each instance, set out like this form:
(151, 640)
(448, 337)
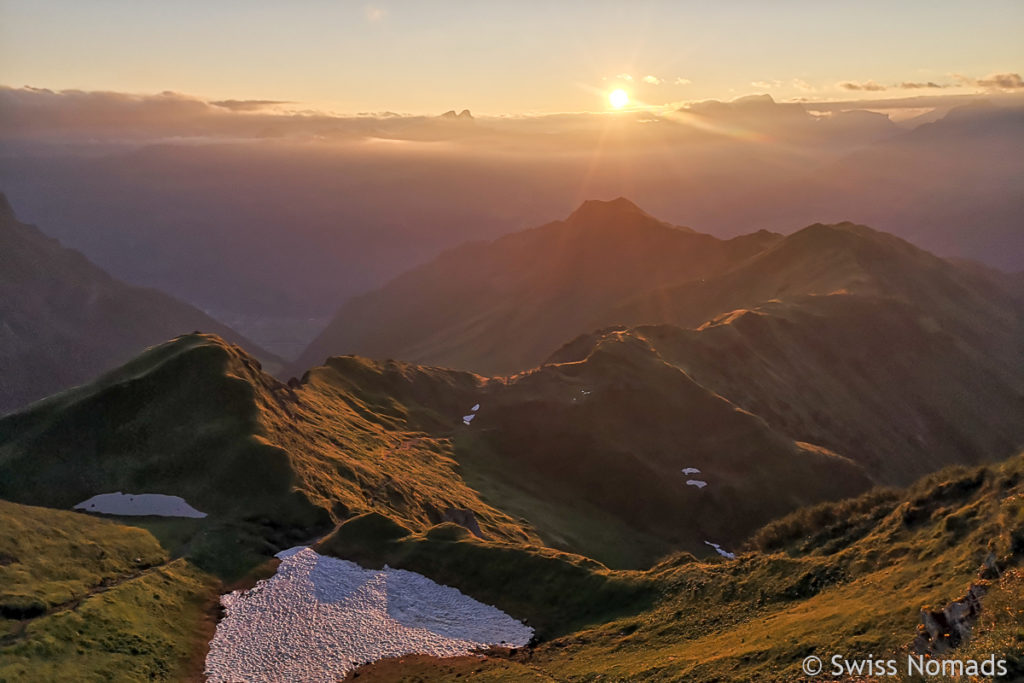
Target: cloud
(801, 84)
(652, 80)
(907, 85)
(870, 86)
(682, 81)
(766, 85)
(624, 77)
(1008, 81)
(248, 105)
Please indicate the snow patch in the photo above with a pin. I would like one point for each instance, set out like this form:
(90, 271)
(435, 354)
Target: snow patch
(139, 505)
(696, 482)
(719, 550)
(466, 419)
(475, 408)
(690, 470)
(320, 617)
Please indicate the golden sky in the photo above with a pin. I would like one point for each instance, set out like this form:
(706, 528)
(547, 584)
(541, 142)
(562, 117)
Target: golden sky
(510, 58)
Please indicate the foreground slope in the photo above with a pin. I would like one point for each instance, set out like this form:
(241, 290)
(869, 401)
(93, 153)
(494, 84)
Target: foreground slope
(87, 600)
(63, 320)
(874, 576)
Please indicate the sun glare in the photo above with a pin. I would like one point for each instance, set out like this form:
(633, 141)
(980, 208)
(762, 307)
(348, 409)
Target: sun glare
(618, 98)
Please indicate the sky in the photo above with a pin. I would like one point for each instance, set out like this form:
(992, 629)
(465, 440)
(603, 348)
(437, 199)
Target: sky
(509, 58)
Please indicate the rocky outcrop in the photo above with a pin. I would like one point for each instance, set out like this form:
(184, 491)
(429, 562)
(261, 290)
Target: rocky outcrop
(947, 629)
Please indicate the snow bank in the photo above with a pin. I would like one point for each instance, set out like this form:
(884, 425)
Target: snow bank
(320, 617)
(139, 505)
(718, 549)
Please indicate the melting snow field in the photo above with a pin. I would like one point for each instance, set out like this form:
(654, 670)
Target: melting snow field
(320, 617)
(719, 550)
(139, 505)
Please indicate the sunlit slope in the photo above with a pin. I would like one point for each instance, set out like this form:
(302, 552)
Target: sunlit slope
(196, 417)
(869, 377)
(849, 578)
(592, 453)
(498, 307)
(63, 320)
(87, 600)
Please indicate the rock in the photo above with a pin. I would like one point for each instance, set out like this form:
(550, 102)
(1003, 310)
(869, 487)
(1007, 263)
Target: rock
(950, 627)
(464, 518)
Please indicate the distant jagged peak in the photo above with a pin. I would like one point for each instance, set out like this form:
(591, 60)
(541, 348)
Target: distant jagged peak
(747, 105)
(463, 115)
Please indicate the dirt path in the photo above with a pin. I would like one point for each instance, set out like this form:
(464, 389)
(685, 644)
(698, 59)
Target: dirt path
(73, 604)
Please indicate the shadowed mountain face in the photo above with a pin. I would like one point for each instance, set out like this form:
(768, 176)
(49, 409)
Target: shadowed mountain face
(500, 307)
(63, 320)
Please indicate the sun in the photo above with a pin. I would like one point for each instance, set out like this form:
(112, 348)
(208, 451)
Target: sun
(618, 98)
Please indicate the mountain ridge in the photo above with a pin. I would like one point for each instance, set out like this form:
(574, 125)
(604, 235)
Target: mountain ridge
(500, 307)
(64, 320)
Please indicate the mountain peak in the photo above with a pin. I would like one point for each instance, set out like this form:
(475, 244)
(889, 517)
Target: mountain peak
(601, 209)
(463, 115)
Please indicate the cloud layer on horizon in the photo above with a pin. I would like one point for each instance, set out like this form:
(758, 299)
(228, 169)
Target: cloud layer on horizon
(42, 115)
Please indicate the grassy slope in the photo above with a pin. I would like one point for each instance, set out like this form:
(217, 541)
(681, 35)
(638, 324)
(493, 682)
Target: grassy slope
(85, 599)
(585, 456)
(273, 467)
(181, 419)
(874, 379)
(843, 578)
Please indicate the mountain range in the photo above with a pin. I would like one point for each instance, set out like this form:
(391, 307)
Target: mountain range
(577, 424)
(271, 233)
(501, 306)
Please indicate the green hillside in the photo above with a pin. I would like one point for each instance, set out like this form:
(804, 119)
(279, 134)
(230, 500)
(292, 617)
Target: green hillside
(84, 599)
(848, 578)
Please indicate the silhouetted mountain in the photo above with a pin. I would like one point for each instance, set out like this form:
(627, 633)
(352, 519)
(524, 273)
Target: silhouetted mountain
(952, 186)
(761, 115)
(463, 115)
(502, 306)
(498, 307)
(63, 320)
